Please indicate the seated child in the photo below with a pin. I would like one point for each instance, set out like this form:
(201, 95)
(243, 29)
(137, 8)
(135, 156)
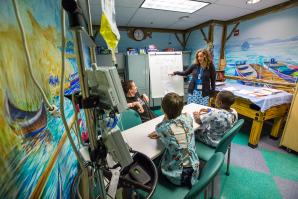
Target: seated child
(215, 123)
(136, 101)
(180, 163)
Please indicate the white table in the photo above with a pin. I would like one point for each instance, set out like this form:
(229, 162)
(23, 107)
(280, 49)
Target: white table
(137, 137)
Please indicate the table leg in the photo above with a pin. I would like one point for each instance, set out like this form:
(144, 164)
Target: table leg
(276, 126)
(255, 133)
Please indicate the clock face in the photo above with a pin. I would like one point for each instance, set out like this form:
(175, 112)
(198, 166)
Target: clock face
(138, 34)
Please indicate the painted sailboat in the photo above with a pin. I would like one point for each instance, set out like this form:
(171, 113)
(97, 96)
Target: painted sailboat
(29, 123)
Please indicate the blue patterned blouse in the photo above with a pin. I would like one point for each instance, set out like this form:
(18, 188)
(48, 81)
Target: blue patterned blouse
(177, 135)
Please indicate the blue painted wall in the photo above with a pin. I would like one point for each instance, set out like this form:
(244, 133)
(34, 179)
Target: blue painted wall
(160, 40)
(196, 41)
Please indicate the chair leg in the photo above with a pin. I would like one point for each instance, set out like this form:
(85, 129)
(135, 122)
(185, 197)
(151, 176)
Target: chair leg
(228, 164)
(212, 189)
(205, 194)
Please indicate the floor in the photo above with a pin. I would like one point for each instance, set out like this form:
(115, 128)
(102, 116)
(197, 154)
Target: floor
(267, 172)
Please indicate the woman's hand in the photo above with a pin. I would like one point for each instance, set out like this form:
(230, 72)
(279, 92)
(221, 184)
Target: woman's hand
(172, 74)
(153, 135)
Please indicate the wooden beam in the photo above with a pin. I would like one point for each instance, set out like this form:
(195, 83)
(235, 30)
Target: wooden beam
(235, 27)
(276, 83)
(187, 37)
(223, 42)
(265, 11)
(204, 35)
(179, 40)
(210, 33)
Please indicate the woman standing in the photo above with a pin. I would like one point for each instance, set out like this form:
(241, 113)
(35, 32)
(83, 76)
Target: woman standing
(202, 84)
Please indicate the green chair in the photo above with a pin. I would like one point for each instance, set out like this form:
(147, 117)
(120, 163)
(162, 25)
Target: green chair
(128, 119)
(157, 112)
(204, 151)
(165, 189)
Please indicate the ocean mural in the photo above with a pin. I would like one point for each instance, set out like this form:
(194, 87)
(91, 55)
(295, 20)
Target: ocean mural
(266, 48)
(36, 159)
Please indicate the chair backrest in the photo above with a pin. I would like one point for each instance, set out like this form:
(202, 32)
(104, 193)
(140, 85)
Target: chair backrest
(208, 173)
(128, 119)
(227, 138)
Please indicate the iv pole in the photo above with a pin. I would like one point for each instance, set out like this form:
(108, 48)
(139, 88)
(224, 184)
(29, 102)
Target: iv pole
(76, 21)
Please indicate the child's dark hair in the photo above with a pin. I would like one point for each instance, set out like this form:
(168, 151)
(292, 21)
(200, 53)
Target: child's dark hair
(227, 98)
(172, 105)
(127, 85)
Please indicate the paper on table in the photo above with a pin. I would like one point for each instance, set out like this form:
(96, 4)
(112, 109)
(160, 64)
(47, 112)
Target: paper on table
(229, 88)
(245, 92)
(271, 90)
(219, 83)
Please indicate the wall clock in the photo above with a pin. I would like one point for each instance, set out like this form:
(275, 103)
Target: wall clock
(138, 34)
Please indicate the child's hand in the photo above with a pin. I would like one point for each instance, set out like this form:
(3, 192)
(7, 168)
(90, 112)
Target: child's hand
(139, 107)
(145, 98)
(196, 115)
(203, 111)
(153, 135)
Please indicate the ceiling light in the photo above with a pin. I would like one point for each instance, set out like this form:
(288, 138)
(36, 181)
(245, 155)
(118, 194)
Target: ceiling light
(188, 6)
(252, 1)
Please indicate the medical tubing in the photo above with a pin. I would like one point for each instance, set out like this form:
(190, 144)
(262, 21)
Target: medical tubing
(28, 56)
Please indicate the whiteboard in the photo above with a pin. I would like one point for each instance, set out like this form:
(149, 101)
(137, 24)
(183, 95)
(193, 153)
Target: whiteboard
(161, 64)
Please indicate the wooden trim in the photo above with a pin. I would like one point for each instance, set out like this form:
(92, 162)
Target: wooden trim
(289, 85)
(46, 173)
(265, 11)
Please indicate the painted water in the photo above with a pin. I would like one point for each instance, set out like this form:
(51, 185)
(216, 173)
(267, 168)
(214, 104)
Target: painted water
(286, 52)
(24, 166)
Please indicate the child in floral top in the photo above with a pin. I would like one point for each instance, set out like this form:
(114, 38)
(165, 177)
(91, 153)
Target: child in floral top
(215, 123)
(180, 163)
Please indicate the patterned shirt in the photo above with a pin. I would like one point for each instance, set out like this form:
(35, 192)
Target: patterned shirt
(177, 135)
(215, 124)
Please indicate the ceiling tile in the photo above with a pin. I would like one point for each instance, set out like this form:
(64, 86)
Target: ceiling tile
(158, 18)
(242, 4)
(129, 13)
(222, 12)
(124, 14)
(192, 21)
(129, 3)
